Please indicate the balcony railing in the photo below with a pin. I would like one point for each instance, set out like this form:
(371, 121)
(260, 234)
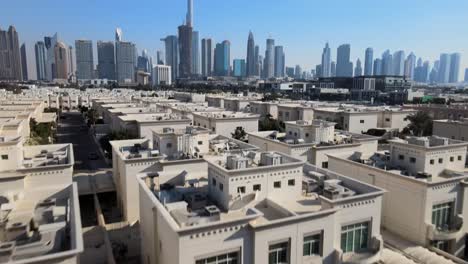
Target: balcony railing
(451, 231)
(369, 256)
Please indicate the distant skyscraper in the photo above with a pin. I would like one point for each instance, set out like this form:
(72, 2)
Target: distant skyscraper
(410, 65)
(269, 64)
(279, 61)
(421, 72)
(189, 13)
(344, 67)
(444, 68)
(51, 70)
(118, 34)
(466, 75)
(71, 65)
(358, 69)
(333, 69)
(10, 56)
(377, 67)
(171, 44)
(40, 53)
(387, 63)
(125, 56)
(143, 63)
(61, 60)
(258, 61)
(24, 62)
(298, 72)
(325, 68)
(251, 61)
(399, 63)
(454, 67)
(106, 60)
(207, 57)
(185, 51)
(318, 71)
(368, 62)
(239, 68)
(222, 58)
(290, 72)
(195, 53)
(84, 59)
(159, 58)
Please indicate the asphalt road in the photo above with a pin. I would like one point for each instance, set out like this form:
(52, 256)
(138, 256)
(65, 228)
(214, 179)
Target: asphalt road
(71, 130)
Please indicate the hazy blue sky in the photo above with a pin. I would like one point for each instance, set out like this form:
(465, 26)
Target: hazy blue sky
(426, 27)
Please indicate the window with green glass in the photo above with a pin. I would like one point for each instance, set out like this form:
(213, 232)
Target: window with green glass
(312, 245)
(227, 258)
(278, 253)
(355, 238)
(442, 215)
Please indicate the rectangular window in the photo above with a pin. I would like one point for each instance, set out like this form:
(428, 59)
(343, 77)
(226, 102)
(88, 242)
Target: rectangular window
(278, 253)
(213, 181)
(441, 161)
(241, 189)
(432, 162)
(442, 215)
(277, 184)
(169, 145)
(312, 245)
(412, 160)
(452, 159)
(362, 121)
(325, 164)
(257, 187)
(355, 238)
(200, 142)
(387, 119)
(291, 182)
(459, 158)
(221, 186)
(227, 258)
(4, 157)
(401, 157)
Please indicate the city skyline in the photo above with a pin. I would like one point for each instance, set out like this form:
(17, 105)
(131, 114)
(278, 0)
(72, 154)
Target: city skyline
(302, 46)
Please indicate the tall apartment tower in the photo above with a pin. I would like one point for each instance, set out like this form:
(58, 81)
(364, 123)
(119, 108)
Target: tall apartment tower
(325, 69)
(269, 64)
(171, 44)
(41, 64)
(387, 63)
(84, 60)
(10, 57)
(106, 60)
(50, 43)
(279, 61)
(444, 68)
(358, 69)
(185, 51)
(399, 63)
(207, 57)
(344, 67)
(454, 67)
(61, 61)
(125, 57)
(251, 62)
(368, 61)
(223, 58)
(24, 62)
(195, 53)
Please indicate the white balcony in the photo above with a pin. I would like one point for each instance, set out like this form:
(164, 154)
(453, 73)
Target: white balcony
(449, 232)
(369, 256)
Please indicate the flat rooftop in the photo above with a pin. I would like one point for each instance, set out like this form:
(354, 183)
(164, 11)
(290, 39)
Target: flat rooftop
(189, 204)
(153, 117)
(46, 155)
(227, 115)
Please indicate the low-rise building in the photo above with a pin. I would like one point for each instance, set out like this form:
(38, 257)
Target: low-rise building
(225, 123)
(453, 129)
(312, 141)
(259, 207)
(40, 212)
(426, 182)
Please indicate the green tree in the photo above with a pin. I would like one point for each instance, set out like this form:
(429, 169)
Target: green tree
(92, 116)
(239, 134)
(420, 124)
(269, 123)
